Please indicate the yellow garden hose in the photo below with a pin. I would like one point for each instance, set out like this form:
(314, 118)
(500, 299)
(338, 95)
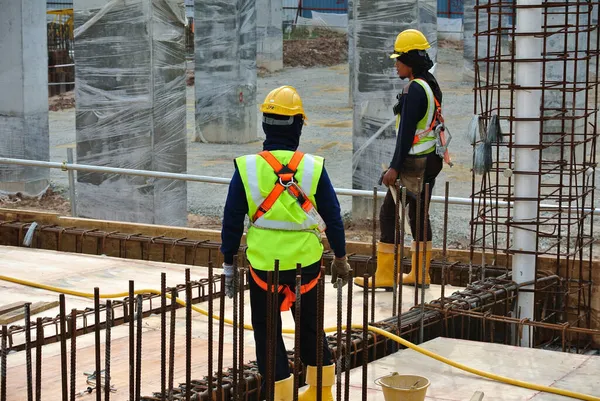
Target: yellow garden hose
(393, 337)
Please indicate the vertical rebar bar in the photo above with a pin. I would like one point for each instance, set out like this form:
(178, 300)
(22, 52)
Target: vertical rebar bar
(221, 339)
(3, 353)
(138, 354)
(131, 299)
(445, 242)
(365, 339)
(396, 240)
(297, 344)
(339, 359)
(163, 336)
(234, 372)
(211, 281)
(424, 265)
(97, 343)
(320, 334)
(39, 339)
(188, 334)
(418, 243)
(73, 370)
(348, 341)
(63, 348)
(373, 253)
(242, 285)
(269, 370)
(172, 321)
(109, 322)
(71, 173)
(29, 374)
(402, 218)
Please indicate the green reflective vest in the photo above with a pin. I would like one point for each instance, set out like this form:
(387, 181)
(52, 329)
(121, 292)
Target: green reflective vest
(285, 233)
(427, 143)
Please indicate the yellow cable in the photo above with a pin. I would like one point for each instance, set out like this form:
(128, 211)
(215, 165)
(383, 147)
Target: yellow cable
(408, 344)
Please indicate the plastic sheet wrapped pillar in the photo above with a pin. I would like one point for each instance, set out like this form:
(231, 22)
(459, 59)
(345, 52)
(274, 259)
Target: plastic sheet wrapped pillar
(269, 35)
(24, 97)
(376, 23)
(130, 92)
(225, 71)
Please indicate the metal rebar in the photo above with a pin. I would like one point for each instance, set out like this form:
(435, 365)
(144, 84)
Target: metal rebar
(39, 339)
(348, 341)
(220, 395)
(107, 357)
(269, 370)
(242, 285)
(3, 353)
(131, 300)
(297, 343)
(63, 348)
(415, 267)
(396, 239)
(234, 372)
(29, 373)
(424, 264)
(211, 280)
(445, 242)
(97, 343)
(172, 320)
(401, 233)
(339, 359)
(163, 336)
(320, 334)
(275, 327)
(73, 370)
(365, 339)
(188, 335)
(138, 354)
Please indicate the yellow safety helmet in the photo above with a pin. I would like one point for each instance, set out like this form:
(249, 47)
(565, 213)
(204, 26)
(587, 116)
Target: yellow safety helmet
(408, 40)
(283, 101)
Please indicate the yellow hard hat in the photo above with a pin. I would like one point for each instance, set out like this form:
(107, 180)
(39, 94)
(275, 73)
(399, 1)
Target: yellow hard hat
(283, 101)
(408, 40)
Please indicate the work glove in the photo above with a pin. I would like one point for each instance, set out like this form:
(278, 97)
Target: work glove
(230, 287)
(340, 269)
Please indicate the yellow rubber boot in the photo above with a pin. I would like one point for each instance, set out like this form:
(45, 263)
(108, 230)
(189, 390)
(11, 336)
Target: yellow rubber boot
(384, 275)
(310, 394)
(424, 252)
(284, 389)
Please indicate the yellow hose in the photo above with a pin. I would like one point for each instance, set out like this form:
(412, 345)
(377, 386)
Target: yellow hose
(393, 337)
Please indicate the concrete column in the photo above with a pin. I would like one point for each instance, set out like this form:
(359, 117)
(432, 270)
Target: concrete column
(376, 83)
(269, 35)
(225, 71)
(23, 95)
(130, 98)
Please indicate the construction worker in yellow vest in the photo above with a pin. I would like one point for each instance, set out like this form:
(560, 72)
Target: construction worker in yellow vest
(289, 201)
(415, 161)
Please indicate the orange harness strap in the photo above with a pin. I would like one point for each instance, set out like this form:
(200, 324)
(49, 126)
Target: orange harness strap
(437, 118)
(290, 296)
(285, 174)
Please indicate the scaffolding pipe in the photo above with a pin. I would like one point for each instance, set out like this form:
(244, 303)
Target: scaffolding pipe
(527, 155)
(64, 166)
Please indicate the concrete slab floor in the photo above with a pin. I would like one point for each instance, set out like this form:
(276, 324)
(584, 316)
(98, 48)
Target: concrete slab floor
(556, 369)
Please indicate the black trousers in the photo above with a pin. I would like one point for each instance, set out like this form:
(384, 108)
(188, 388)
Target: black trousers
(308, 323)
(387, 215)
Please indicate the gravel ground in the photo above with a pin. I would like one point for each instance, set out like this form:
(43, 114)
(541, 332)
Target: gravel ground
(329, 133)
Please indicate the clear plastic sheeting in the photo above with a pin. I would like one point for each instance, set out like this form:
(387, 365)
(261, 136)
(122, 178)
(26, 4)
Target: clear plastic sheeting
(375, 25)
(269, 35)
(24, 97)
(335, 22)
(225, 76)
(130, 91)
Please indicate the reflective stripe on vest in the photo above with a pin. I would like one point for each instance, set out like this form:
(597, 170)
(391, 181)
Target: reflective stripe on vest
(290, 296)
(426, 142)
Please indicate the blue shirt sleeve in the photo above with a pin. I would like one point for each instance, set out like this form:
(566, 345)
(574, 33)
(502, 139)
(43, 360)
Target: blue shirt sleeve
(329, 209)
(413, 110)
(236, 209)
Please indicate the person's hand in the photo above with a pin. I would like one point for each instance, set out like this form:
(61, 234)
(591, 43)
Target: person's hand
(230, 287)
(390, 177)
(340, 269)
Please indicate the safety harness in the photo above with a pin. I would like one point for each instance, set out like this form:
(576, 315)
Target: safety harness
(285, 182)
(290, 296)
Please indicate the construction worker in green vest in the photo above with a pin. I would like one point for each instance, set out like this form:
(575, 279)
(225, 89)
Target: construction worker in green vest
(416, 161)
(289, 201)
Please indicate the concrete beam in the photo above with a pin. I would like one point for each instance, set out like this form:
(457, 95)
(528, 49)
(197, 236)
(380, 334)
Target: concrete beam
(24, 131)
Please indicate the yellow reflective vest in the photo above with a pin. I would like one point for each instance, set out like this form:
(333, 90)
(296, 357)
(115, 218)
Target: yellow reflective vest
(426, 144)
(286, 232)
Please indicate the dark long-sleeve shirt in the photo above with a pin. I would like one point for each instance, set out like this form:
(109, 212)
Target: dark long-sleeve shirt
(413, 109)
(236, 208)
